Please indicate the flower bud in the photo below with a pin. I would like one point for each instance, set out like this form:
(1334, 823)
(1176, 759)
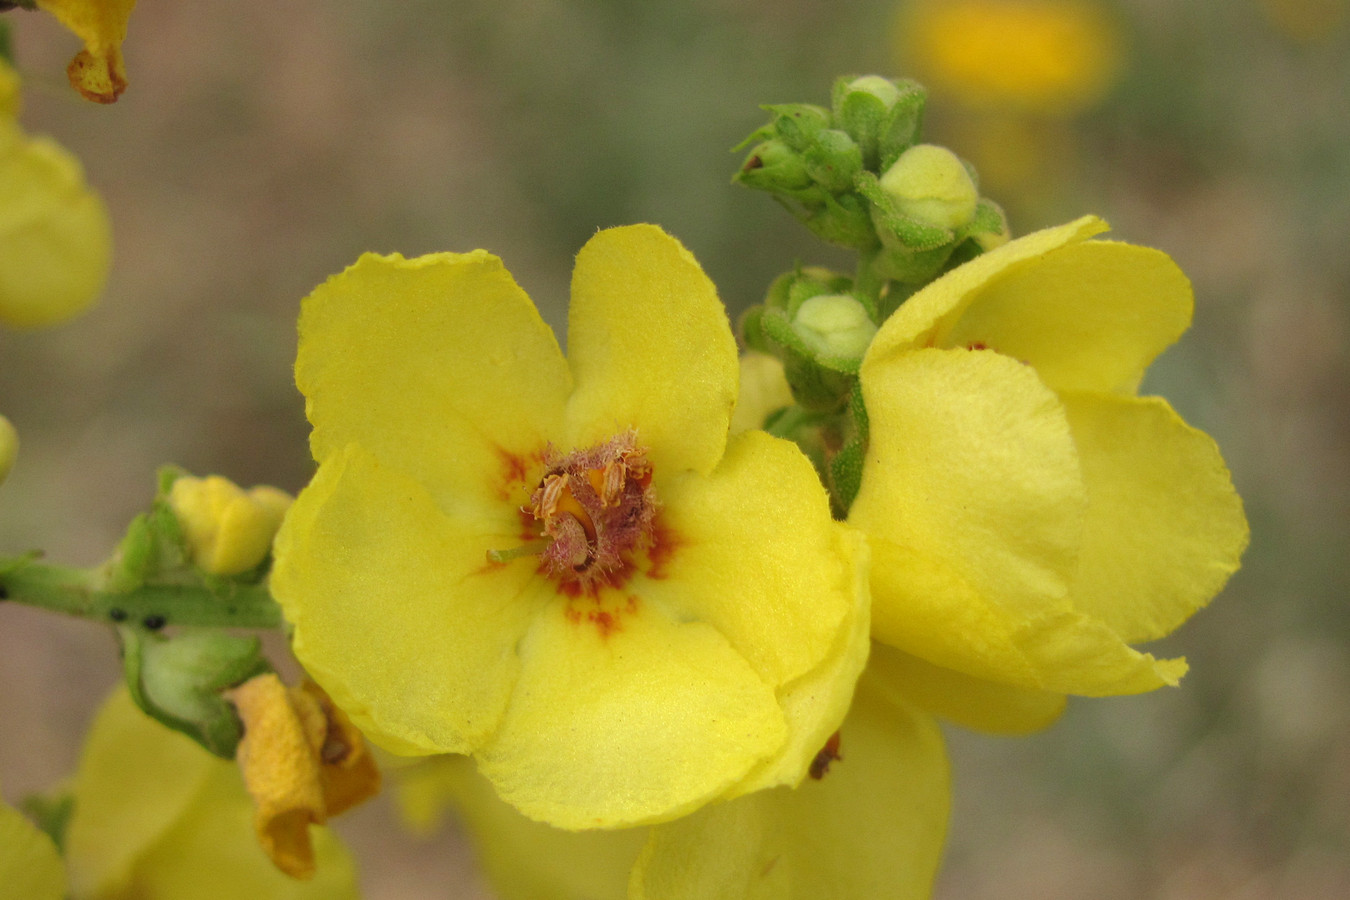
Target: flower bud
(228, 530)
(833, 160)
(774, 166)
(930, 184)
(882, 115)
(9, 446)
(835, 325)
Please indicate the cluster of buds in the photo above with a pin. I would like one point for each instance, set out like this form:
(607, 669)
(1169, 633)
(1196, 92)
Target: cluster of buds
(857, 176)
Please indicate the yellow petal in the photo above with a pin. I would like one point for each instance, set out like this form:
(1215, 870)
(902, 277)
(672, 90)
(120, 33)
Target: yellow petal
(873, 826)
(649, 345)
(927, 318)
(639, 722)
(1089, 316)
(971, 465)
(30, 867)
(972, 702)
(9, 447)
(228, 530)
(136, 779)
(764, 388)
(395, 609)
(55, 237)
(97, 71)
(1165, 527)
(927, 610)
(523, 859)
(440, 366)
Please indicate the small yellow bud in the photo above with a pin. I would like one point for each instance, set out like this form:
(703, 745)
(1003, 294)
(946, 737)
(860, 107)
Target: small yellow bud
(882, 88)
(228, 530)
(930, 184)
(834, 325)
(9, 446)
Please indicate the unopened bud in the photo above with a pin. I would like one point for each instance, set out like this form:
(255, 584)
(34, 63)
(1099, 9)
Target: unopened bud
(834, 325)
(930, 184)
(774, 166)
(228, 530)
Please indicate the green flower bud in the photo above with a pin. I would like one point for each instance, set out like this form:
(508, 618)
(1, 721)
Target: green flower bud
(775, 167)
(9, 446)
(931, 185)
(882, 115)
(798, 124)
(833, 161)
(834, 325)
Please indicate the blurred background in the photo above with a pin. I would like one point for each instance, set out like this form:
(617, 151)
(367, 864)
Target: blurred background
(262, 146)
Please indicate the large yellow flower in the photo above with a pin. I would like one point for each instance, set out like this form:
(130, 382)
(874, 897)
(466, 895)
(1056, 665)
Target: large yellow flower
(562, 566)
(1030, 517)
(158, 818)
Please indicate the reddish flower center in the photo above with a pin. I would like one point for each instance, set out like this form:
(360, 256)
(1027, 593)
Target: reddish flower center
(596, 509)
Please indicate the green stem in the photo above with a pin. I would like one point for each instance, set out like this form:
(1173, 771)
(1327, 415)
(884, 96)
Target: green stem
(867, 284)
(77, 592)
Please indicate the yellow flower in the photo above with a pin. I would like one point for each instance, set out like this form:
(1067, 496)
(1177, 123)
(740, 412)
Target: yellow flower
(302, 762)
(30, 867)
(158, 818)
(55, 238)
(228, 530)
(871, 825)
(1030, 517)
(1049, 56)
(561, 566)
(96, 71)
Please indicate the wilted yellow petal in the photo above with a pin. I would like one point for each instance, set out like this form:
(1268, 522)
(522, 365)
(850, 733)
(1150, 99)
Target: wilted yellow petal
(1165, 527)
(413, 636)
(872, 826)
(440, 366)
(972, 702)
(97, 71)
(667, 365)
(30, 867)
(55, 238)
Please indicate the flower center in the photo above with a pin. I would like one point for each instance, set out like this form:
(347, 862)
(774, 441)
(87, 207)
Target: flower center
(595, 508)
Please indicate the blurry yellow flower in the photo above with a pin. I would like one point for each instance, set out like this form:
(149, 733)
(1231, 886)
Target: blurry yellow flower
(561, 566)
(55, 238)
(1050, 56)
(158, 818)
(228, 530)
(96, 71)
(30, 867)
(871, 825)
(9, 447)
(1030, 517)
(302, 762)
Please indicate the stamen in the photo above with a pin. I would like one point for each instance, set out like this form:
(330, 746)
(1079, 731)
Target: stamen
(529, 548)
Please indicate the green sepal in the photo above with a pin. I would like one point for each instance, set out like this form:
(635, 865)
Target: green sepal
(843, 220)
(903, 124)
(846, 466)
(882, 127)
(153, 548)
(798, 124)
(179, 681)
(51, 812)
(819, 384)
(896, 230)
(775, 167)
(833, 160)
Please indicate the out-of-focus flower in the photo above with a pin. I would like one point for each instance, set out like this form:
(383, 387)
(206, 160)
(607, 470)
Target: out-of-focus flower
(1045, 56)
(869, 823)
(55, 238)
(158, 818)
(9, 447)
(302, 762)
(228, 530)
(1030, 517)
(30, 866)
(561, 566)
(96, 71)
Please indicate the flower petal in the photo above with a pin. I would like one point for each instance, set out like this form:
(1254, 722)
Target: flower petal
(873, 826)
(971, 702)
(97, 71)
(650, 346)
(440, 366)
(928, 611)
(640, 721)
(1165, 527)
(926, 319)
(764, 388)
(971, 465)
(30, 867)
(396, 611)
